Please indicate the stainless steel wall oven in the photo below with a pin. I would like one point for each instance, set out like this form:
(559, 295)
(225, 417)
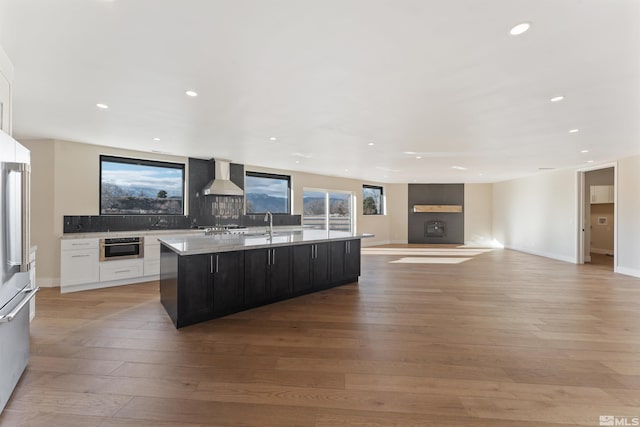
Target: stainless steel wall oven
(121, 248)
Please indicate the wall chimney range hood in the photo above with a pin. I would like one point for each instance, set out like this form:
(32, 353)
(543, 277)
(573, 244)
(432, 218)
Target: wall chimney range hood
(221, 184)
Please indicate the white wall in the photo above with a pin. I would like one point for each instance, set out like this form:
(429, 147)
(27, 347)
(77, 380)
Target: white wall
(538, 214)
(628, 204)
(397, 209)
(380, 225)
(477, 214)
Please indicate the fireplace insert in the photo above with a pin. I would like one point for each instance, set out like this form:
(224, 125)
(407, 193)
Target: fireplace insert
(436, 228)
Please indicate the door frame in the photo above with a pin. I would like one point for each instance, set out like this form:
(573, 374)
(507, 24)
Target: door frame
(582, 210)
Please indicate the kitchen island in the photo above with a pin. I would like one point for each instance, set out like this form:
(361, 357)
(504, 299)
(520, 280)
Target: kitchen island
(205, 277)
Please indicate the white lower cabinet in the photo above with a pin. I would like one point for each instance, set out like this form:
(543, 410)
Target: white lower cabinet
(120, 269)
(152, 258)
(79, 261)
(81, 268)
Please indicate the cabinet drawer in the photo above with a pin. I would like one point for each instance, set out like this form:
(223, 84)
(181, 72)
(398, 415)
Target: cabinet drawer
(125, 269)
(73, 244)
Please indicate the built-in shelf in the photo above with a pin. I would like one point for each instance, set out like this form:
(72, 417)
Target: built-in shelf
(437, 208)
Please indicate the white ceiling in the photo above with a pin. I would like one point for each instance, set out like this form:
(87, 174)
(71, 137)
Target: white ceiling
(443, 79)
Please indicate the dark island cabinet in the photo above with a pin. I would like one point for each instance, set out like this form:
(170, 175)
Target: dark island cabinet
(345, 261)
(228, 282)
(199, 287)
(195, 298)
(352, 259)
(267, 275)
(255, 277)
(195, 288)
(310, 267)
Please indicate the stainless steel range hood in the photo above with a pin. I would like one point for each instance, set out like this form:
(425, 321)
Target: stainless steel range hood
(221, 184)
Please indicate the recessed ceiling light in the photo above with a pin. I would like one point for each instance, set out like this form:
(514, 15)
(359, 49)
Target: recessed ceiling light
(584, 151)
(574, 130)
(346, 170)
(371, 144)
(297, 161)
(191, 93)
(102, 106)
(460, 168)
(418, 157)
(589, 161)
(273, 138)
(520, 28)
(411, 153)
(156, 139)
(557, 98)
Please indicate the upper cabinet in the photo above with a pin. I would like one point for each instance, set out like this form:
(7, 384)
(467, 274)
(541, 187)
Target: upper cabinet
(602, 194)
(6, 79)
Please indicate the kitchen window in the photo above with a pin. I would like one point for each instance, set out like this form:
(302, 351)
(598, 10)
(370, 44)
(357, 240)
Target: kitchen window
(266, 192)
(372, 200)
(140, 187)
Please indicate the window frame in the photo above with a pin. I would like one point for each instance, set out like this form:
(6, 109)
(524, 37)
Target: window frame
(142, 162)
(270, 176)
(382, 203)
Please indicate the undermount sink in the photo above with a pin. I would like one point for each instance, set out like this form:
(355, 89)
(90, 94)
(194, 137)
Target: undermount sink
(264, 234)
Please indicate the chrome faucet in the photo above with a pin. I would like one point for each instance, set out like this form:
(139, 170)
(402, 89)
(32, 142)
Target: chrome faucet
(269, 217)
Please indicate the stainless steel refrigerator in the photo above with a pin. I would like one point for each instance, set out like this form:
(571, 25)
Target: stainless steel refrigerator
(16, 289)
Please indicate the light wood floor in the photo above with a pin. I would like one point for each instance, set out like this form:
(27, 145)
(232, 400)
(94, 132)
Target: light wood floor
(602, 260)
(502, 339)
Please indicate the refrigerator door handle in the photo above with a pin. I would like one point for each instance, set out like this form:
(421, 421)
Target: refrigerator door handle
(9, 317)
(24, 216)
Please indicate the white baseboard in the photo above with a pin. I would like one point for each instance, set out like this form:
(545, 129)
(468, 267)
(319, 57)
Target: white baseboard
(627, 271)
(48, 282)
(558, 257)
(601, 251)
(100, 285)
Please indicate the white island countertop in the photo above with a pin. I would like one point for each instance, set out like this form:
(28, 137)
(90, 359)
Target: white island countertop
(194, 245)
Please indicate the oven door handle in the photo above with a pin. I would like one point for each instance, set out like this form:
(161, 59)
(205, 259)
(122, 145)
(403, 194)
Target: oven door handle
(9, 317)
(120, 244)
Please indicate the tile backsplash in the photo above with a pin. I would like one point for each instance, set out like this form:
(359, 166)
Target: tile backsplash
(105, 223)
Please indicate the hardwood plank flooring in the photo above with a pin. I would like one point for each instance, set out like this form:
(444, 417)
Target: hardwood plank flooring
(430, 336)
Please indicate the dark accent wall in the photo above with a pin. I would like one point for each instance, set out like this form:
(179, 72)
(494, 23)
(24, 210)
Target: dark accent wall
(436, 194)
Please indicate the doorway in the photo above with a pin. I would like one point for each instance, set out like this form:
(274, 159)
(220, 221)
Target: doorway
(598, 217)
